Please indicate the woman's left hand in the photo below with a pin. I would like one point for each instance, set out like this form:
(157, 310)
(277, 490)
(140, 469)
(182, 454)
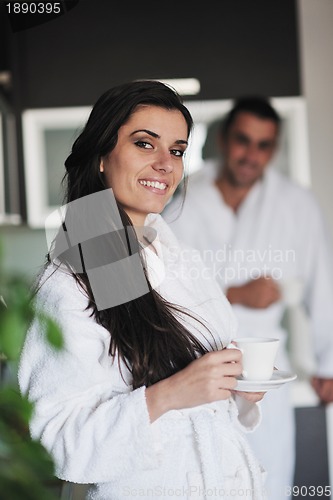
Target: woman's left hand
(253, 397)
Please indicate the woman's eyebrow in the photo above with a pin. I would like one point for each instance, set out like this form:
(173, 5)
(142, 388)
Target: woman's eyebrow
(149, 132)
(156, 136)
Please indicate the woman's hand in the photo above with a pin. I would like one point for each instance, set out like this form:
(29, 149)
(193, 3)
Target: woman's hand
(252, 397)
(209, 378)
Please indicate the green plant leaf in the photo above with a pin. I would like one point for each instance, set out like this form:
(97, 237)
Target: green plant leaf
(53, 333)
(12, 333)
(15, 409)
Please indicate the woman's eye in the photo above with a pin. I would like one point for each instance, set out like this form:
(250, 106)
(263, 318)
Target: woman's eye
(177, 152)
(143, 144)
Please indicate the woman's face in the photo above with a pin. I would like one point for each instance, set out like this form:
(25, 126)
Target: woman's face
(146, 165)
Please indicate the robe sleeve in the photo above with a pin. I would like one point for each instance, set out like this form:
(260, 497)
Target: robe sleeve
(249, 414)
(94, 429)
(316, 258)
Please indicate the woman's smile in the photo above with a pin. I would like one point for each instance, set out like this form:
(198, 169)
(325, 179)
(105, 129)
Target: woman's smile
(155, 186)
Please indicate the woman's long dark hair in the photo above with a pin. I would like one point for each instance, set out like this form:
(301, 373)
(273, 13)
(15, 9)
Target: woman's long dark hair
(145, 332)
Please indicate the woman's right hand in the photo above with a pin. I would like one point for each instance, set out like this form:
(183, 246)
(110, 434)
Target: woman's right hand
(206, 379)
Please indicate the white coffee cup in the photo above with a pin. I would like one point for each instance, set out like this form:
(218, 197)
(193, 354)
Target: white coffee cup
(258, 356)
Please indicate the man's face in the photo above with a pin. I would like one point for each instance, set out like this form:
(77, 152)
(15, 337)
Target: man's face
(248, 147)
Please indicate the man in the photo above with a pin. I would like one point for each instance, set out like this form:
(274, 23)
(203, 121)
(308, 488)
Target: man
(260, 233)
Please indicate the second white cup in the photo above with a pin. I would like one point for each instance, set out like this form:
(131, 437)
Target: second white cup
(259, 354)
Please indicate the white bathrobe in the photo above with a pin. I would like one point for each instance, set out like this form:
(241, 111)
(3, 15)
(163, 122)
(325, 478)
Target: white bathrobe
(97, 427)
(278, 230)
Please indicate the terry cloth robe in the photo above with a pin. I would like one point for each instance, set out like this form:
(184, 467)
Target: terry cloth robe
(97, 427)
(278, 230)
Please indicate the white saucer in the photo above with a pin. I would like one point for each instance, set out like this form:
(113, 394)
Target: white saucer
(277, 380)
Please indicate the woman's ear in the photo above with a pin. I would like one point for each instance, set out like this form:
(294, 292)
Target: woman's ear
(101, 166)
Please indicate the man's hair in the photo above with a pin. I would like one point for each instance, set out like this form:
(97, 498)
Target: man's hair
(256, 105)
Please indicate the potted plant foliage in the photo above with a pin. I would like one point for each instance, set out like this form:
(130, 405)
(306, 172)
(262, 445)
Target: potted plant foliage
(26, 468)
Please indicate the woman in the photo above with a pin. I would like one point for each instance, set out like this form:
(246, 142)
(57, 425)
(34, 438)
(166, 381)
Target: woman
(141, 400)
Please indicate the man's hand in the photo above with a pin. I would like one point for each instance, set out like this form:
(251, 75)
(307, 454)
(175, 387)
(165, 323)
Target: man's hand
(324, 388)
(257, 294)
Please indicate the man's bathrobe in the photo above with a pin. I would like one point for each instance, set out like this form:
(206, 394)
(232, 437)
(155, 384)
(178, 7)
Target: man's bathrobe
(97, 427)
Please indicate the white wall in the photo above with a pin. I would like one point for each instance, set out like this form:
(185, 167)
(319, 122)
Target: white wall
(315, 19)
(316, 51)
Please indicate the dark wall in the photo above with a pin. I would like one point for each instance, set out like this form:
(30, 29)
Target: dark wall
(311, 470)
(231, 46)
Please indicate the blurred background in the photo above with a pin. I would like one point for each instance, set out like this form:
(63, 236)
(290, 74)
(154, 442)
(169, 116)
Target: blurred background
(280, 49)
(54, 67)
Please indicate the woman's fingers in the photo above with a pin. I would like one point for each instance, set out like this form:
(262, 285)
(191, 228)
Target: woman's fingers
(215, 371)
(252, 397)
(222, 363)
(229, 383)
(216, 358)
(209, 378)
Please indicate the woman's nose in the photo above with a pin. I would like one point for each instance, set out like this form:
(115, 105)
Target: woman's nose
(163, 162)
